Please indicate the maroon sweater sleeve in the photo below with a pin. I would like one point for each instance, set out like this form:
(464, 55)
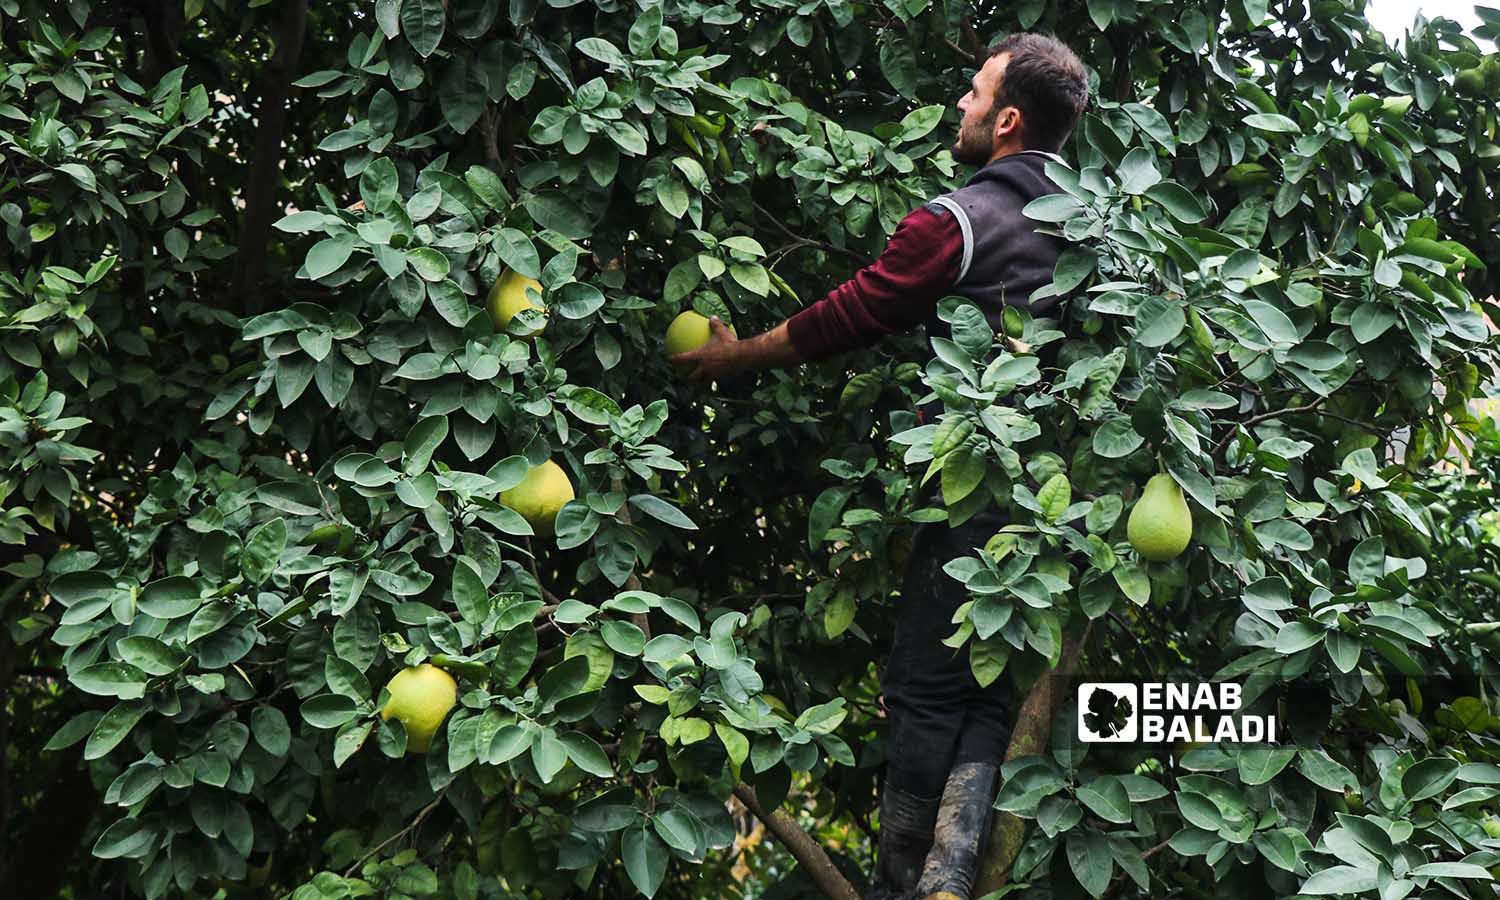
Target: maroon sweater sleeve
(894, 294)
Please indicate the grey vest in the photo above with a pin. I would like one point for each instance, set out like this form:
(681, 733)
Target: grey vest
(1004, 258)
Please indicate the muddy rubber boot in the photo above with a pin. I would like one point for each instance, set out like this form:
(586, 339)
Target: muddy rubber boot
(906, 823)
(963, 824)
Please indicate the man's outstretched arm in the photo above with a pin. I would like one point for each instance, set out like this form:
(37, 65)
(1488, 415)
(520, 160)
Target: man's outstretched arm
(917, 268)
(726, 355)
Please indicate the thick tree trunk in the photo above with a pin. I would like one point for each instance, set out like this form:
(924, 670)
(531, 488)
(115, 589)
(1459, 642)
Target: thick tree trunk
(1032, 735)
(265, 164)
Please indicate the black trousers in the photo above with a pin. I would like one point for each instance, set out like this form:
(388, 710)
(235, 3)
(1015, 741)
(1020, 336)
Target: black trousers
(939, 714)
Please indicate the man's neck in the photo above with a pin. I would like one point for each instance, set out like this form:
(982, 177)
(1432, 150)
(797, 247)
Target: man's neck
(1005, 150)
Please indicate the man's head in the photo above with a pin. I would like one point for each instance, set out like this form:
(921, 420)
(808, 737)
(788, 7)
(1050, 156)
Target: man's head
(1028, 95)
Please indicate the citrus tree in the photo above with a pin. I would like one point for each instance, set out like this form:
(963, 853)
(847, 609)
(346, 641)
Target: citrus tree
(359, 539)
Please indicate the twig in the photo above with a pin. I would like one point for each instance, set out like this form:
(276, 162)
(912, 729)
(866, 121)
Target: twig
(536, 573)
(416, 820)
(489, 125)
(1120, 878)
(808, 852)
(821, 245)
(1256, 420)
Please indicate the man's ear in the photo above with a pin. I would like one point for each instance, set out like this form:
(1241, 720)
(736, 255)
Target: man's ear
(1008, 124)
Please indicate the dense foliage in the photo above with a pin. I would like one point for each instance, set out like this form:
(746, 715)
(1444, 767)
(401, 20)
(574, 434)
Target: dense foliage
(255, 423)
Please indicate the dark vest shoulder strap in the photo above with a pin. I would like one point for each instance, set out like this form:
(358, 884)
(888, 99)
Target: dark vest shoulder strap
(949, 206)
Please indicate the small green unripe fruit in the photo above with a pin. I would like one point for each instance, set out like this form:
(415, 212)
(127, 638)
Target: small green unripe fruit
(540, 496)
(1160, 525)
(1359, 128)
(1396, 106)
(1014, 324)
(1492, 826)
(509, 296)
(420, 697)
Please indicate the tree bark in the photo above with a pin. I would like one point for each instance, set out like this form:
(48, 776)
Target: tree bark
(808, 852)
(265, 164)
(164, 28)
(1032, 735)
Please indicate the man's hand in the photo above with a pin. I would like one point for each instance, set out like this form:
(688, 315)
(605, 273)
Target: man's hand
(719, 357)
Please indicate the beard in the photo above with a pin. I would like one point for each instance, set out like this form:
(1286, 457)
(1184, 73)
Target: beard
(975, 145)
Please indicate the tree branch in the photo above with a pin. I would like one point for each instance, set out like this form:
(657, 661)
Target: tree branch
(808, 242)
(265, 166)
(411, 826)
(1256, 420)
(1032, 733)
(808, 852)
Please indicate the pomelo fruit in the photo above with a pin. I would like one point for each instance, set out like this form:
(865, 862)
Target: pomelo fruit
(1160, 525)
(540, 496)
(689, 331)
(420, 696)
(509, 297)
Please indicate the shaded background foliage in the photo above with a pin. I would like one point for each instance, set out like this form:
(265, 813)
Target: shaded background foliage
(254, 425)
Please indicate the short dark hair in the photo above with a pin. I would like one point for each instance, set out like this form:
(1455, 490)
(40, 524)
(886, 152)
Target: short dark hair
(1046, 80)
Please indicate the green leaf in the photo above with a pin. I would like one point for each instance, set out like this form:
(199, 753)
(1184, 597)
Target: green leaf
(113, 728)
(917, 123)
(1182, 204)
(1339, 880)
(645, 858)
(422, 441)
(423, 22)
(328, 255)
(488, 187)
(602, 50)
(430, 264)
(1107, 798)
(624, 638)
(1091, 862)
(263, 548)
(508, 743)
(1133, 582)
(1272, 122)
(150, 655)
(1138, 171)
(1429, 778)
(74, 730)
(549, 755)
(271, 730)
(826, 510)
(110, 679)
(663, 511)
(329, 710)
(586, 753)
(963, 471)
(1258, 765)
(169, 598)
(1055, 496)
(645, 31)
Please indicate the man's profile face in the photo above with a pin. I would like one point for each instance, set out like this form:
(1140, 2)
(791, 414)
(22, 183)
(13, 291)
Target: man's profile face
(976, 131)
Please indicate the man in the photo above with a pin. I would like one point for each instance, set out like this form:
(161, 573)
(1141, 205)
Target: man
(947, 734)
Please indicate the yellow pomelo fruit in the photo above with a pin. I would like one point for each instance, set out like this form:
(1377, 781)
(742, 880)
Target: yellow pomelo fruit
(689, 331)
(508, 297)
(540, 496)
(420, 697)
(1160, 525)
